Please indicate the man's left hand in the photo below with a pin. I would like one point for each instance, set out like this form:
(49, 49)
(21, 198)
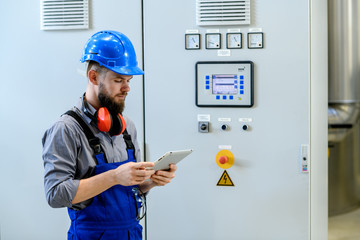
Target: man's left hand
(161, 178)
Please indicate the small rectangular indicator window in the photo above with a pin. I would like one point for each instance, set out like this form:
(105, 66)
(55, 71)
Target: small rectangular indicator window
(224, 84)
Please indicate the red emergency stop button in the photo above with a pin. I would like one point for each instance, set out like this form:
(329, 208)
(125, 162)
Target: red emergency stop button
(223, 159)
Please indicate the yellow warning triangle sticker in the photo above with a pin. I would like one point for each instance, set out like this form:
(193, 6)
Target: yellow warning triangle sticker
(225, 180)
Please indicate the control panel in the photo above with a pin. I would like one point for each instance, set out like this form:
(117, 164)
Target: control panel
(224, 84)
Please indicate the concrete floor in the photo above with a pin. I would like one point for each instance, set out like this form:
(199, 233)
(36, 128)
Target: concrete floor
(345, 226)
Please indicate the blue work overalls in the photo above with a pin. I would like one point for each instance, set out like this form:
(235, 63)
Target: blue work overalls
(112, 215)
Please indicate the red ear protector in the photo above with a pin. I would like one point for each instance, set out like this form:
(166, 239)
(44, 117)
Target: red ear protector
(106, 121)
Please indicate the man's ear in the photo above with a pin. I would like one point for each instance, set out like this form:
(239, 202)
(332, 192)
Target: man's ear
(93, 76)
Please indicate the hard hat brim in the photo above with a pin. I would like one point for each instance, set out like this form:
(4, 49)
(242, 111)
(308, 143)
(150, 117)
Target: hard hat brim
(126, 70)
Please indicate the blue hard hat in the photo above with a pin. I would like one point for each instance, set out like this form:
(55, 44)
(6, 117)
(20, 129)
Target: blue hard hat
(112, 50)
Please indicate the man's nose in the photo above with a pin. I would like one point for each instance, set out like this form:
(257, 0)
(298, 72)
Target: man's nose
(125, 87)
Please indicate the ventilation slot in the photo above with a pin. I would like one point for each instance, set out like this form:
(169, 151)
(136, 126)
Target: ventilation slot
(65, 14)
(215, 12)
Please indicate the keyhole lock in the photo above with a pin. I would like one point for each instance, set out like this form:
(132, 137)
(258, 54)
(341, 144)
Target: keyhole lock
(203, 127)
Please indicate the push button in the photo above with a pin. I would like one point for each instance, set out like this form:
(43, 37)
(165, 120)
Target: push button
(223, 159)
(224, 127)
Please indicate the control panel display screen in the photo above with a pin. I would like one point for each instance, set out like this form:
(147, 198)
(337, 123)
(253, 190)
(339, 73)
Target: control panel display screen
(224, 84)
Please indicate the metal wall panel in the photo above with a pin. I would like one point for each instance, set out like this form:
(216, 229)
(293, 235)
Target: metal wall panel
(270, 199)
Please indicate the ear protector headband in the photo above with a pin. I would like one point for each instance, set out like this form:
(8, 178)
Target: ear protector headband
(113, 123)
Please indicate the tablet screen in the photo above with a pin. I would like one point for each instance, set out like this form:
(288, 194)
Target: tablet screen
(171, 157)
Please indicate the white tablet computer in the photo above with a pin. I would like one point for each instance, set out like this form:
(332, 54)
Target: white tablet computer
(172, 157)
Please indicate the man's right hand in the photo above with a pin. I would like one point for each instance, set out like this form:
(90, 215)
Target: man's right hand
(133, 173)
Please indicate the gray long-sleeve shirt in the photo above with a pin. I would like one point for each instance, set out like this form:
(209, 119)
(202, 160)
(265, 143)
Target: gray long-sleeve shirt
(68, 156)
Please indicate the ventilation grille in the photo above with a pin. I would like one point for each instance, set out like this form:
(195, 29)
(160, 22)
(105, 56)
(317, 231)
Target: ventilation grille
(229, 12)
(65, 14)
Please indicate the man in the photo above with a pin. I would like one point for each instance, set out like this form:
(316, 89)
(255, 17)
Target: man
(91, 155)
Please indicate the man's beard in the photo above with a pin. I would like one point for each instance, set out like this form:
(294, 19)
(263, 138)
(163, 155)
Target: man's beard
(108, 102)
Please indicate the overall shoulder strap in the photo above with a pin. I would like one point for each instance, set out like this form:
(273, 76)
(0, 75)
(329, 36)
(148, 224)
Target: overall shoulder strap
(129, 144)
(93, 141)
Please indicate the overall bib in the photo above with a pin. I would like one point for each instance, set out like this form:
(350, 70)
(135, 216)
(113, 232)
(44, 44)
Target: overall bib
(112, 215)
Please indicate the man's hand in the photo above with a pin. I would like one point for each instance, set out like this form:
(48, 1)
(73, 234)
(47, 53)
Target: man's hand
(133, 173)
(161, 178)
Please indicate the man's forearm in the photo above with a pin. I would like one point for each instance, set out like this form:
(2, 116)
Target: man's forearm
(93, 186)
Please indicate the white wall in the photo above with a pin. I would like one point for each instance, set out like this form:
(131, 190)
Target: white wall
(40, 80)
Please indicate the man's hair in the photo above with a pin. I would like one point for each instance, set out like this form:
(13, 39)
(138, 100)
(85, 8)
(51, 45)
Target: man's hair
(96, 66)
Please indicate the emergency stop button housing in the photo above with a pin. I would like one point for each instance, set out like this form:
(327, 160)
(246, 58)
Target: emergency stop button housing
(225, 159)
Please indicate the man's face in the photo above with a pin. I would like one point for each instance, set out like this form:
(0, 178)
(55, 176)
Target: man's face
(113, 89)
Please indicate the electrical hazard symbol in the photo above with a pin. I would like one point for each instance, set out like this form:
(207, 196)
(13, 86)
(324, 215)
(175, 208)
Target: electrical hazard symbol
(225, 180)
